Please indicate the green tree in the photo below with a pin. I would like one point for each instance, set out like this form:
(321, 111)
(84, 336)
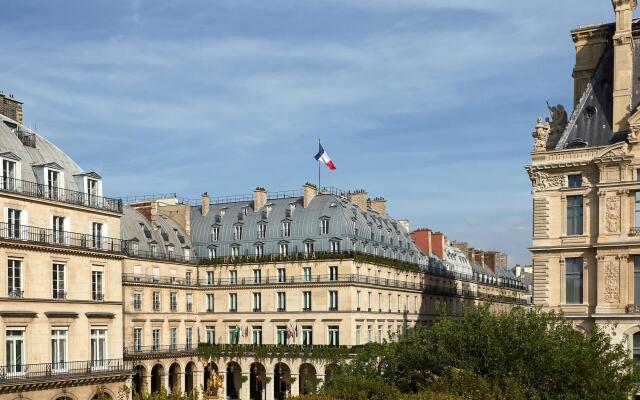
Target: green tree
(521, 354)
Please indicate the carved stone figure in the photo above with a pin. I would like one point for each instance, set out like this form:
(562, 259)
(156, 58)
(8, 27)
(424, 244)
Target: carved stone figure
(541, 135)
(611, 294)
(559, 119)
(542, 180)
(613, 214)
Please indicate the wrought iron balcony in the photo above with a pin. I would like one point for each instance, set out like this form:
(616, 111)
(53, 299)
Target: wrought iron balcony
(154, 351)
(59, 295)
(23, 373)
(157, 280)
(16, 293)
(157, 255)
(38, 190)
(36, 235)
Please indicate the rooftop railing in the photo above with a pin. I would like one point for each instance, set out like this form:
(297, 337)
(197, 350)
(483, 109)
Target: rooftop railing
(40, 191)
(369, 258)
(24, 372)
(158, 255)
(33, 234)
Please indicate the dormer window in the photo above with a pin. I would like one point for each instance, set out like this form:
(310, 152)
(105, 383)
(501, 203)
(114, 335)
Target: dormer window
(10, 172)
(235, 251)
(213, 252)
(154, 249)
(244, 211)
(215, 233)
(286, 228)
(237, 232)
(262, 231)
(187, 253)
(134, 247)
(53, 184)
(171, 252)
(324, 226)
(335, 246)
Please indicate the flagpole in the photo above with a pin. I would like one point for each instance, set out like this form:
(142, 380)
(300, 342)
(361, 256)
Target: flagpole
(319, 170)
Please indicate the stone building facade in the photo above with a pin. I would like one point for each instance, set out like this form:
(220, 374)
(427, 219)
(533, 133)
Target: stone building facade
(585, 173)
(159, 293)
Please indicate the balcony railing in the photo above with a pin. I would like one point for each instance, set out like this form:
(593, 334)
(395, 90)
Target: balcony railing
(38, 190)
(33, 234)
(158, 255)
(157, 349)
(16, 293)
(368, 258)
(26, 372)
(156, 279)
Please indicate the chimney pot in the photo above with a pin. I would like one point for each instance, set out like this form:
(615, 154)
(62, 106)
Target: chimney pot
(205, 203)
(309, 192)
(259, 198)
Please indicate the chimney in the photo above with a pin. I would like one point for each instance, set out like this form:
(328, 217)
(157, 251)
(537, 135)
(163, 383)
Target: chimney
(359, 198)
(590, 43)
(404, 223)
(205, 203)
(422, 237)
(259, 198)
(379, 205)
(437, 244)
(11, 107)
(309, 192)
(622, 64)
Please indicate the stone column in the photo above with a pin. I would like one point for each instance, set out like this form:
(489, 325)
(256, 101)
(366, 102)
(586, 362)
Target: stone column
(245, 387)
(268, 388)
(295, 386)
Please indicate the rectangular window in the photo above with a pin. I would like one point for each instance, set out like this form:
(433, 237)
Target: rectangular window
(257, 302)
(233, 302)
(234, 335)
(59, 282)
(636, 280)
(96, 232)
(233, 277)
(14, 275)
(333, 273)
(574, 215)
(369, 333)
(308, 247)
(335, 247)
(92, 191)
(333, 300)
(13, 223)
(15, 351)
(154, 250)
(53, 184)
(282, 275)
(215, 233)
(573, 279)
(237, 232)
(575, 181)
(284, 249)
(137, 301)
(209, 277)
(189, 302)
(96, 286)
(210, 334)
(58, 230)
(306, 274)
(286, 229)
(262, 231)
(257, 276)
(189, 338)
(213, 253)
(209, 302)
(8, 174)
(58, 349)
(282, 334)
(306, 301)
(307, 335)
(173, 301)
(256, 333)
(324, 226)
(137, 339)
(235, 251)
(155, 337)
(282, 301)
(334, 335)
(637, 209)
(156, 301)
(99, 347)
(259, 250)
(358, 329)
(188, 278)
(173, 338)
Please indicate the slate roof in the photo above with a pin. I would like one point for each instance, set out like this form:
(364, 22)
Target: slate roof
(44, 152)
(344, 219)
(590, 124)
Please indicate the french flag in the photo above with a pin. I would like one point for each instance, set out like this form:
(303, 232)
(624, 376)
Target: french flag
(324, 157)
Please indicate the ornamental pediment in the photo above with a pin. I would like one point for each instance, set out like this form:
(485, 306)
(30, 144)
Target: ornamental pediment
(614, 152)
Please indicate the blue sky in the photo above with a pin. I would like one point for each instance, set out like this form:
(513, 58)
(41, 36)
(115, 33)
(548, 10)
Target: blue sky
(428, 103)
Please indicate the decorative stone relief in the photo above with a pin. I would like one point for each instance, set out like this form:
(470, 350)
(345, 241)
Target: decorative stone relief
(542, 180)
(613, 213)
(590, 178)
(541, 135)
(611, 283)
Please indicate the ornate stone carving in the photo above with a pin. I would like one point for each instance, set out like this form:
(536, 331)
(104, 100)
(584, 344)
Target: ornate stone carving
(559, 119)
(611, 278)
(590, 178)
(541, 135)
(542, 180)
(613, 213)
